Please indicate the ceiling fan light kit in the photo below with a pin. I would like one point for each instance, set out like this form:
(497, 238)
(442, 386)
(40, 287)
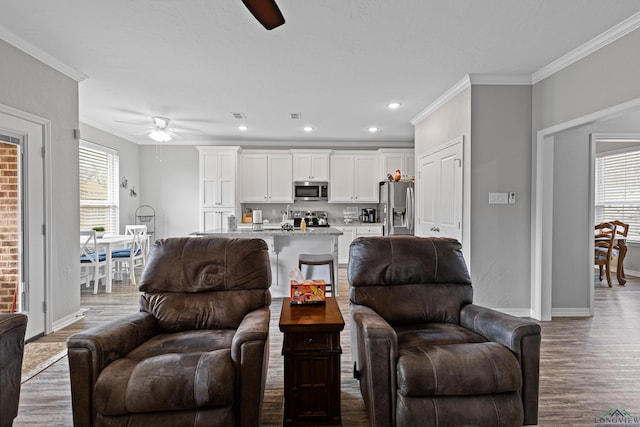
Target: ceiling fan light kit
(160, 135)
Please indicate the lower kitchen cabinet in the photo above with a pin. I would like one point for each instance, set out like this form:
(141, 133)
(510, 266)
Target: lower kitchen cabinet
(350, 232)
(215, 219)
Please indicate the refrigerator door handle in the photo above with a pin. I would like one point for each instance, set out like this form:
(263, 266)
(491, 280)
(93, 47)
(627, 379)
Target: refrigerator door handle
(410, 208)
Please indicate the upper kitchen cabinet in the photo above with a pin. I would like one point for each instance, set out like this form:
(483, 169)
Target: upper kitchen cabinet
(393, 159)
(310, 165)
(354, 177)
(267, 177)
(218, 176)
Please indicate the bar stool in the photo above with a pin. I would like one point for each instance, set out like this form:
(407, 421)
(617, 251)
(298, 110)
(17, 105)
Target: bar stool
(319, 259)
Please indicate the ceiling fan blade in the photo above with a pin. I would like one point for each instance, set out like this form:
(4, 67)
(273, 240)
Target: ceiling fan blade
(185, 130)
(133, 123)
(266, 12)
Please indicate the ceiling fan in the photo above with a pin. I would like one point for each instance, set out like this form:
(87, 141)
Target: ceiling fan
(266, 12)
(159, 129)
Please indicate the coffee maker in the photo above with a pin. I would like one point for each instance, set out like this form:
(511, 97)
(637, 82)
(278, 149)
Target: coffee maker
(368, 215)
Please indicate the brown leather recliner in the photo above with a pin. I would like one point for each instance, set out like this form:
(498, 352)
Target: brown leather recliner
(424, 354)
(197, 352)
(12, 330)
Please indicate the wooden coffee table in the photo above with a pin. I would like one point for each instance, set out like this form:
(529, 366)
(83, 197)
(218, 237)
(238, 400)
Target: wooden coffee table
(311, 352)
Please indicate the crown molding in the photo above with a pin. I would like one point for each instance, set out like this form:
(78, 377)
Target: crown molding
(41, 55)
(454, 90)
(612, 34)
(500, 79)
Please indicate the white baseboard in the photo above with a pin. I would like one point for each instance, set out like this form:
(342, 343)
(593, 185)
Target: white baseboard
(570, 312)
(631, 272)
(68, 320)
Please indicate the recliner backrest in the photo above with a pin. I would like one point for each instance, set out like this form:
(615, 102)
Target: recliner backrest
(205, 282)
(409, 280)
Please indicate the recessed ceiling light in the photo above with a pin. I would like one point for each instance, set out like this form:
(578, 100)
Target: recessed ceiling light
(373, 129)
(242, 128)
(393, 105)
(308, 129)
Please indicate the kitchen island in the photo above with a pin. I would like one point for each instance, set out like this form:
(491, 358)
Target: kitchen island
(284, 249)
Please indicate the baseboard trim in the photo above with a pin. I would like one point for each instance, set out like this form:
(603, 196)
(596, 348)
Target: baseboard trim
(570, 312)
(68, 320)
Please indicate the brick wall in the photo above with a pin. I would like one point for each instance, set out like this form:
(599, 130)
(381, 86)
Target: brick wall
(9, 224)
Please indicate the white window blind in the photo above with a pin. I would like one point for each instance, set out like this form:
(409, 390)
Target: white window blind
(99, 204)
(618, 190)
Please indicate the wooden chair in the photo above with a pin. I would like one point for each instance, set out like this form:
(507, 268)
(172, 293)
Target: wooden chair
(91, 261)
(604, 248)
(620, 248)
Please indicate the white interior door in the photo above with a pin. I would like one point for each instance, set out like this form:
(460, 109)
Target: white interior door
(439, 192)
(31, 297)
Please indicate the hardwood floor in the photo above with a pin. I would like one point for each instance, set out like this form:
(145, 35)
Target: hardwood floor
(588, 365)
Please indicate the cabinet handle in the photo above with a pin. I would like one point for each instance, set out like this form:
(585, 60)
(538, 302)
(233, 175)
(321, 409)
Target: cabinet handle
(311, 341)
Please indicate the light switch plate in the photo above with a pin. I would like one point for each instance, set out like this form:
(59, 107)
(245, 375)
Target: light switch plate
(498, 198)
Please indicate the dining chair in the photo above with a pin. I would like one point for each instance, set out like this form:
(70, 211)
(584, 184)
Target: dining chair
(93, 264)
(125, 260)
(605, 234)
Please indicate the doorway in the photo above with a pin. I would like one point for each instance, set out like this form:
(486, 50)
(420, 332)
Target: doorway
(543, 216)
(22, 216)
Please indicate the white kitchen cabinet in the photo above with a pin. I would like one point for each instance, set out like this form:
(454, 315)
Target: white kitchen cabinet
(216, 219)
(218, 176)
(393, 159)
(267, 177)
(350, 232)
(310, 165)
(369, 230)
(354, 177)
(217, 182)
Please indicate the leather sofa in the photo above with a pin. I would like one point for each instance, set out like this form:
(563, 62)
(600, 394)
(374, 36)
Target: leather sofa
(426, 355)
(197, 352)
(12, 330)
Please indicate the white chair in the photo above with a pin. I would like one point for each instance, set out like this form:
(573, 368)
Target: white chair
(125, 260)
(93, 264)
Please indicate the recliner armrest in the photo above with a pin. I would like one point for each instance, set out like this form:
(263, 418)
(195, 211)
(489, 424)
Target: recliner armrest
(377, 353)
(250, 353)
(92, 350)
(522, 337)
(115, 339)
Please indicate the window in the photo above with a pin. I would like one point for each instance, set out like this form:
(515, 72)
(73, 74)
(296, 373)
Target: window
(618, 190)
(98, 187)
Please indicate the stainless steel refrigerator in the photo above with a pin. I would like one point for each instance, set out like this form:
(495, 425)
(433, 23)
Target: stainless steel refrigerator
(397, 208)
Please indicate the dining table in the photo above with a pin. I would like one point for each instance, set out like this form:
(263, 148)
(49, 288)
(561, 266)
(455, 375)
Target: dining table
(107, 244)
(621, 243)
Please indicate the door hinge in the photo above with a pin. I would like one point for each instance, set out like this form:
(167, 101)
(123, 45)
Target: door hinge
(44, 229)
(43, 152)
(459, 225)
(44, 306)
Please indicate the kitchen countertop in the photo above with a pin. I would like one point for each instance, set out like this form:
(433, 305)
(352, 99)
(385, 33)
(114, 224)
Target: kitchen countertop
(352, 224)
(317, 231)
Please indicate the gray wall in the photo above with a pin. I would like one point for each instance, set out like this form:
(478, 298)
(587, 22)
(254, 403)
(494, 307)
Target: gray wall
(501, 162)
(28, 85)
(602, 80)
(129, 157)
(169, 183)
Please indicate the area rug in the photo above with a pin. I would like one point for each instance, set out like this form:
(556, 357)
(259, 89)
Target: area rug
(38, 356)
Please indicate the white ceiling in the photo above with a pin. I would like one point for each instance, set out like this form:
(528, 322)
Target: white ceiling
(336, 62)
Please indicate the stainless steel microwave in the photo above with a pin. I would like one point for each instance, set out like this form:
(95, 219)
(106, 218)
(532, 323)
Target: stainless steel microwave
(310, 191)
